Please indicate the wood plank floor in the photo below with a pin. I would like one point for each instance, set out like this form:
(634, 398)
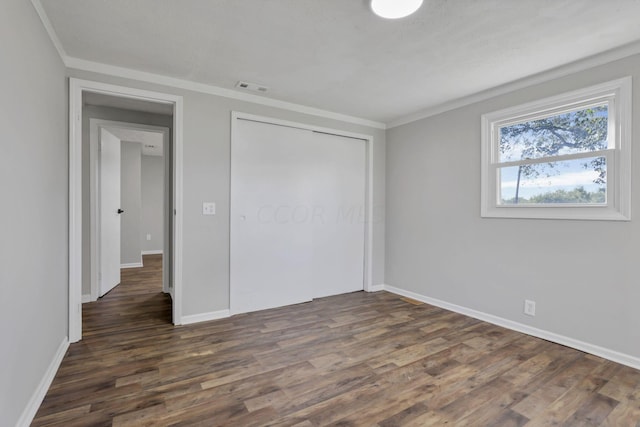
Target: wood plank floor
(351, 360)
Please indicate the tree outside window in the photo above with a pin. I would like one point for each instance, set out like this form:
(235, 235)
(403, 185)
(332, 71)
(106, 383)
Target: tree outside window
(564, 157)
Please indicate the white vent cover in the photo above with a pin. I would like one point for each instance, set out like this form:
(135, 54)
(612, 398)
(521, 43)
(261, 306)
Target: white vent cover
(251, 86)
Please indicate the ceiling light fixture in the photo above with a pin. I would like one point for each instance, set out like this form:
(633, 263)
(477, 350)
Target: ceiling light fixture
(394, 9)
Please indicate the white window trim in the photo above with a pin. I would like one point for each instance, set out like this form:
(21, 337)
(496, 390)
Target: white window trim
(618, 206)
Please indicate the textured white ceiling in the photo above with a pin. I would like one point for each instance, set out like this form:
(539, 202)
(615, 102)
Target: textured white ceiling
(151, 142)
(335, 54)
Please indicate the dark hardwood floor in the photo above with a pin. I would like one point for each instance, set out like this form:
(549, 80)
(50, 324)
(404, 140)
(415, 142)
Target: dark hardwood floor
(351, 360)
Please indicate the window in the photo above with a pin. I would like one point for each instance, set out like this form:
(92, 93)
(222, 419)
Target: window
(566, 157)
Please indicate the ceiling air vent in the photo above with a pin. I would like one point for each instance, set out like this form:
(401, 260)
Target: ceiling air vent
(251, 86)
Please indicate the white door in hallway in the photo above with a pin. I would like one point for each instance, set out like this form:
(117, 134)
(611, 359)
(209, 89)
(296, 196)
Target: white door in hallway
(109, 212)
(297, 225)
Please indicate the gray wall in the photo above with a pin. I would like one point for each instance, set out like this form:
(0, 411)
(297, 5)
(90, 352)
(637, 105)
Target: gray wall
(152, 203)
(207, 126)
(131, 202)
(34, 215)
(104, 113)
(582, 274)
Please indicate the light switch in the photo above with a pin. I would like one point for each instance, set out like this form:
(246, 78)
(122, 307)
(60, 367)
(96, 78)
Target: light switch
(208, 208)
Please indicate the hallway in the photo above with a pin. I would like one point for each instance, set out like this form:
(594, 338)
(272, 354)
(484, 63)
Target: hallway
(136, 303)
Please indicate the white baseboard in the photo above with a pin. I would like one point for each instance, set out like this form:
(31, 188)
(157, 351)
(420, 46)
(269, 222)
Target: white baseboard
(152, 252)
(132, 265)
(615, 356)
(204, 317)
(86, 298)
(376, 288)
(40, 392)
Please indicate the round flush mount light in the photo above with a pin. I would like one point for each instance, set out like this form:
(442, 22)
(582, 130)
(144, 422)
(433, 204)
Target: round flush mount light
(394, 9)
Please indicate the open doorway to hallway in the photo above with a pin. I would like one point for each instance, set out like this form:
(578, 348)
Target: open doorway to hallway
(126, 210)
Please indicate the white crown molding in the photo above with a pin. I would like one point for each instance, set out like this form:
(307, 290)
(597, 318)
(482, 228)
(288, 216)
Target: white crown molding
(40, 392)
(111, 70)
(49, 28)
(615, 356)
(558, 72)
(545, 76)
(204, 317)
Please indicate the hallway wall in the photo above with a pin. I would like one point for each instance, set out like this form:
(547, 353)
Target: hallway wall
(131, 203)
(152, 203)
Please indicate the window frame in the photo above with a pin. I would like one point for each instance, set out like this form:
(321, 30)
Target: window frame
(617, 95)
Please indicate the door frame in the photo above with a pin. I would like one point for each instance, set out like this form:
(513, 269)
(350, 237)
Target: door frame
(76, 89)
(95, 188)
(368, 198)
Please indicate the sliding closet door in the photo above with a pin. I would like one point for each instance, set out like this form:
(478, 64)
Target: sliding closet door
(338, 223)
(297, 215)
(271, 247)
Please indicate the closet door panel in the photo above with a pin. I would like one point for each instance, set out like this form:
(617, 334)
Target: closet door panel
(271, 249)
(297, 215)
(338, 218)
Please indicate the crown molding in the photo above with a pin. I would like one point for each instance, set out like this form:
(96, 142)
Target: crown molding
(111, 70)
(49, 28)
(545, 76)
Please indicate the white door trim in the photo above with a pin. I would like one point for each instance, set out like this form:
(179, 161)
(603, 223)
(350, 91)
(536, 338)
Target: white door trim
(94, 128)
(369, 214)
(76, 88)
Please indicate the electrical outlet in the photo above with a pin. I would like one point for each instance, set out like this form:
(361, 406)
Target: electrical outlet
(529, 307)
(208, 208)
(148, 236)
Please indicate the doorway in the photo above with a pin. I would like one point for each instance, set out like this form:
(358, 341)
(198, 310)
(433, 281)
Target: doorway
(141, 212)
(78, 129)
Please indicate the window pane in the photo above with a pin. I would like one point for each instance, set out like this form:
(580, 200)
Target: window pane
(581, 181)
(567, 133)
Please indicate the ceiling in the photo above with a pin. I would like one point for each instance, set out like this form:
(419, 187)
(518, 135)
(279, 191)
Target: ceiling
(102, 100)
(151, 141)
(336, 55)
